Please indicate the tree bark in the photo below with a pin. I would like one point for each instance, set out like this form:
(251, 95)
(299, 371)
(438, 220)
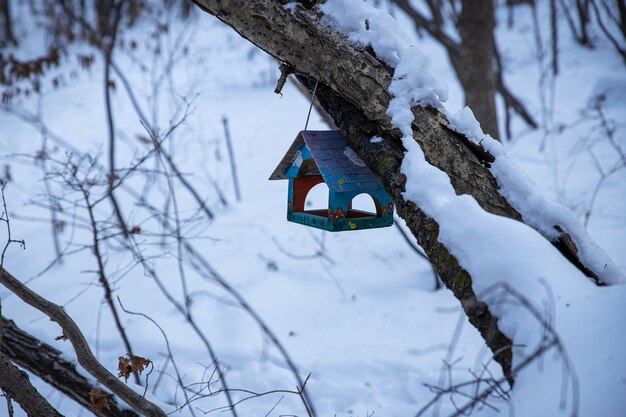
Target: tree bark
(85, 356)
(353, 88)
(47, 363)
(477, 51)
(16, 386)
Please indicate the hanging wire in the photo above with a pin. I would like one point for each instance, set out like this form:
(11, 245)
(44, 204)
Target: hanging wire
(311, 105)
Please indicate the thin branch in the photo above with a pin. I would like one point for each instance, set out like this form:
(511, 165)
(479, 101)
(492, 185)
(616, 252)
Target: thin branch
(104, 282)
(48, 364)
(208, 272)
(170, 355)
(107, 53)
(251, 395)
(618, 48)
(84, 354)
(231, 158)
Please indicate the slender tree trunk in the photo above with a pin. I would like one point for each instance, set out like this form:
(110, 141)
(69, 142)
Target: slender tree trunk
(554, 35)
(621, 7)
(511, 102)
(6, 23)
(582, 7)
(476, 24)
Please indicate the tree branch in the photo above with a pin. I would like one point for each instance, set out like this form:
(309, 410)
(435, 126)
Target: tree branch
(355, 92)
(48, 364)
(16, 385)
(84, 354)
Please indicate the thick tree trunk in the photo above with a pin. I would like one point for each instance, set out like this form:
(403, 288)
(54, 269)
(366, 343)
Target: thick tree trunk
(47, 363)
(353, 88)
(477, 51)
(15, 384)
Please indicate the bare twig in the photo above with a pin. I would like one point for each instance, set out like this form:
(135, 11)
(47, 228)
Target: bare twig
(107, 53)
(251, 395)
(484, 386)
(204, 268)
(231, 158)
(285, 70)
(71, 330)
(170, 356)
(4, 217)
(616, 44)
(108, 293)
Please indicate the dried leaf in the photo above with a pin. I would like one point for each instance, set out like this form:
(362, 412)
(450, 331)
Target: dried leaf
(129, 364)
(99, 399)
(135, 230)
(62, 337)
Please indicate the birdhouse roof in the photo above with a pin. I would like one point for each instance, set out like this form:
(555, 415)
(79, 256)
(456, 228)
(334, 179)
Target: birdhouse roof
(338, 164)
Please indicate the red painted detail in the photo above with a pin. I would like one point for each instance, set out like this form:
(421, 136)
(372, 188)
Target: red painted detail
(301, 187)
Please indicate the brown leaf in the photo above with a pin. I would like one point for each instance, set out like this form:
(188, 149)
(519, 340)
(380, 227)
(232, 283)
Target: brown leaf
(99, 399)
(129, 364)
(135, 230)
(62, 337)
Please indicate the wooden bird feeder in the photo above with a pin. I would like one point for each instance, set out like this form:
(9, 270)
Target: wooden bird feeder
(324, 156)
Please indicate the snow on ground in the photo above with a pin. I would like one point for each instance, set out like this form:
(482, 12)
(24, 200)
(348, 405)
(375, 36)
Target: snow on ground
(356, 310)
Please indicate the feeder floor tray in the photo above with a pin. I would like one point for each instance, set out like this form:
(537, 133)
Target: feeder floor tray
(354, 220)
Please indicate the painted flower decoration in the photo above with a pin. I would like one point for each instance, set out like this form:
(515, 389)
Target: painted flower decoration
(388, 207)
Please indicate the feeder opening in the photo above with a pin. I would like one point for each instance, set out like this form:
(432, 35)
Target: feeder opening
(364, 205)
(316, 201)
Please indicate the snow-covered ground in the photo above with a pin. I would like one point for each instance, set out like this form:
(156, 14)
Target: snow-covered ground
(355, 310)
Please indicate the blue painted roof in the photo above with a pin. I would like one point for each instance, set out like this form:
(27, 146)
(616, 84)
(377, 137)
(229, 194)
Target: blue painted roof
(341, 169)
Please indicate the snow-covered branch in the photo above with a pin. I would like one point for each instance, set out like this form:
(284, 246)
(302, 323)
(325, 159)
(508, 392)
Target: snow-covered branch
(461, 196)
